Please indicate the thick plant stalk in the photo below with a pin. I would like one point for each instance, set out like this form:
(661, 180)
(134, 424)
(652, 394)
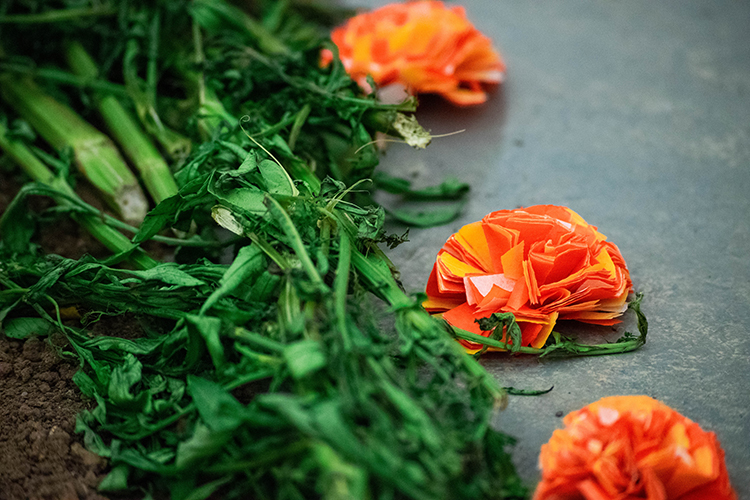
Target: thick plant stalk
(125, 130)
(34, 168)
(95, 155)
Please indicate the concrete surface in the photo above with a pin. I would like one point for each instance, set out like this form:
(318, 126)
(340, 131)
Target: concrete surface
(637, 115)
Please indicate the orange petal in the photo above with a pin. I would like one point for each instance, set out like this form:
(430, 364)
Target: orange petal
(511, 262)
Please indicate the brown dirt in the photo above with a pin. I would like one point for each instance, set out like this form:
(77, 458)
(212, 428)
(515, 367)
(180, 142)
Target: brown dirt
(40, 456)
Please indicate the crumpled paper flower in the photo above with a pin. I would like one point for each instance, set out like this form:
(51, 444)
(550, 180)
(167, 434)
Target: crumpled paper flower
(423, 45)
(624, 447)
(541, 263)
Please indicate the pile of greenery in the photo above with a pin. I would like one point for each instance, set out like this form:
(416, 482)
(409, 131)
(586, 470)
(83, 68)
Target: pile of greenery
(265, 367)
(334, 405)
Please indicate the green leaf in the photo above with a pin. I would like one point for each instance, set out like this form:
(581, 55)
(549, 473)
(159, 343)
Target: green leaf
(21, 328)
(167, 273)
(210, 329)
(249, 164)
(204, 443)
(341, 478)
(278, 143)
(248, 263)
(218, 409)
(277, 179)
(428, 217)
(391, 184)
(142, 346)
(157, 218)
(123, 378)
(9, 297)
(116, 480)
(248, 199)
(206, 490)
(91, 439)
(85, 383)
(16, 224)
(153, 462)
(502, 325)
(264, 287)
(304, 358)
(450, 189)
(526, 392)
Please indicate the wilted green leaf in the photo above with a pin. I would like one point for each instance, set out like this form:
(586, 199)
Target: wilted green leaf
(123, 378)
(219, 410)
(21, 328)
(428, 217)
(210, 329)
(450, 189)
(116, 480)
(204, 442)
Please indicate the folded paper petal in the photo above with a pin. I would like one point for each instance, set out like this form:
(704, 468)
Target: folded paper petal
(541, 263)
(632, 447)
(425, 46)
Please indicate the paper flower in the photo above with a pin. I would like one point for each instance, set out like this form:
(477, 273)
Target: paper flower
(625, 447)
(423, 45)
(541, 263)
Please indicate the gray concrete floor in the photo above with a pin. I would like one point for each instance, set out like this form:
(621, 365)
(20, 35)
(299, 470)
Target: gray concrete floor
(637, 115)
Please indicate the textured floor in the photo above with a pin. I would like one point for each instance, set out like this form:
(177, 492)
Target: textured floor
(636, 115)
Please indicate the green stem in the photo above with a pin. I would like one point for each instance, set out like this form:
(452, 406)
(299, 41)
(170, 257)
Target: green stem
(566, 347)
(298, 169)
(64, 77)
(96, 156)
(479, 339)
(269, 250)
(257, 340)
(267, 457)
(341, 286)
(108, 236)
(58, 16)
(297, 127)
(153, 56)
(137, 146)
(23, 156)
(294, 240)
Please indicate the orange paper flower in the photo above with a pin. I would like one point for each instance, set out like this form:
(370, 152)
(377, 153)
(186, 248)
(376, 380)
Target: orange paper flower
(422, 45)
(629, 447)
(541, 263)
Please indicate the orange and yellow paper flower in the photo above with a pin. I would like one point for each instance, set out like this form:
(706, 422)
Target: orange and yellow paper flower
(625, 447)
(541, 263)
(423, 45)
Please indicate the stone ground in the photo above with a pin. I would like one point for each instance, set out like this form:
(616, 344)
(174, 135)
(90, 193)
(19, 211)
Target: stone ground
(635, 115)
